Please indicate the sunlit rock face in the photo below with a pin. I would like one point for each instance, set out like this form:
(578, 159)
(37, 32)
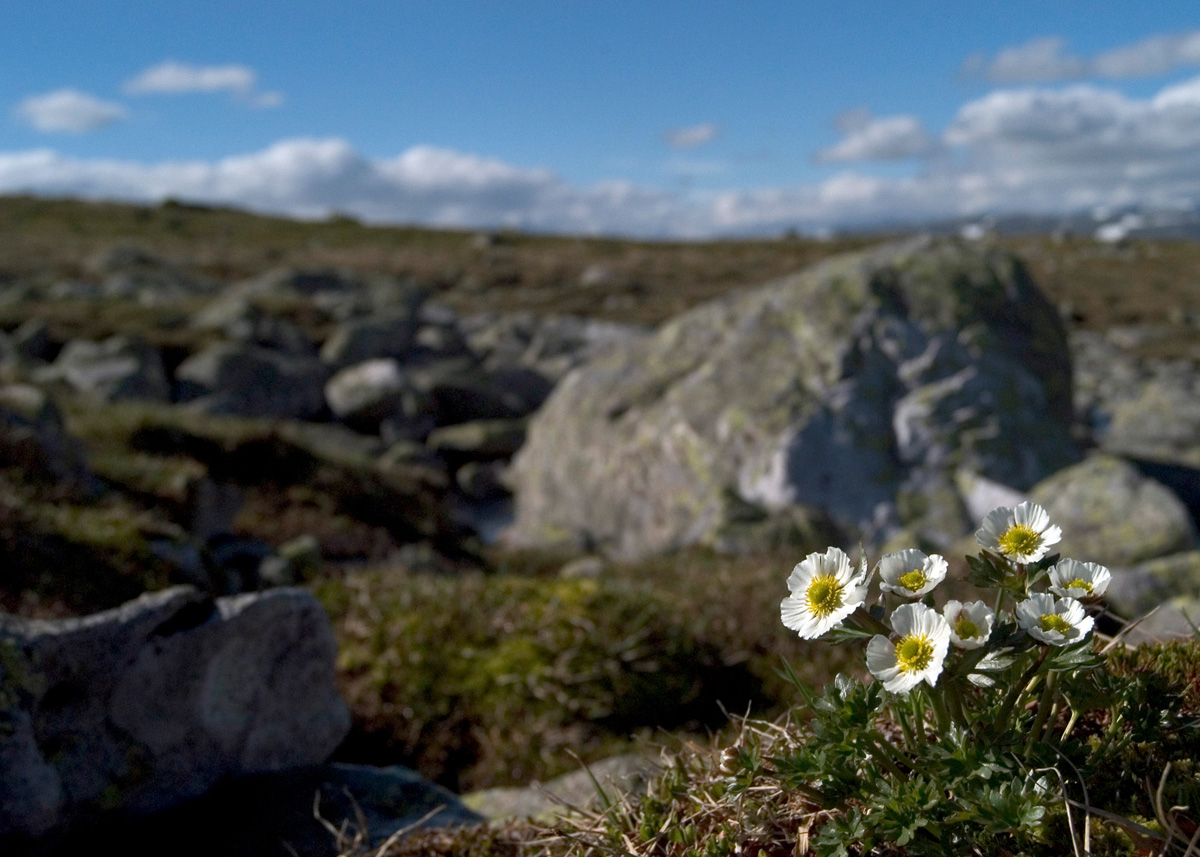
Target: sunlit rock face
(838, 388)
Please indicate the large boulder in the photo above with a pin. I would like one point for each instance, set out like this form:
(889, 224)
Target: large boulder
(1111, 514)
(141, 708)
(835, 388)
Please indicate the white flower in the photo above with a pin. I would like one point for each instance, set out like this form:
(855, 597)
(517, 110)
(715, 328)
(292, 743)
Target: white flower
(824, 592)
(970, 624)
(917, 655)
(1053, 620)
(1073, 579)
(1020, 533)
(910, 573)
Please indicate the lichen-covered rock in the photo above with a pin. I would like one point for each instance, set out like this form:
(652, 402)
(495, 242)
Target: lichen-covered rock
(829, 388)
(1111, 514)
(143, 707)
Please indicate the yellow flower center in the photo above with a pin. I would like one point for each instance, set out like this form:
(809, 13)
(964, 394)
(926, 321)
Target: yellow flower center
(965, 628)
(1080, 583)
(1054, 622)
(914, 580)
(914, 653)
(824, 595)
(1020, 540)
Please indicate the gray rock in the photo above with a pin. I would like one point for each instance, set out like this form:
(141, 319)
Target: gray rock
(141, 708)
(130, 272)
(980, 495)
(239, 319)
(34, 438)
(1161, 594)
(479, 439)
(1161, 422)
(482, 481)
(32, 341)
(120, 367)
(247, 381)
(309, 283)
(828, 388)
(1135, 404)
(550, 345)
(628, 774)
(385, 334)
(462, 391)
(1111, 514)
(367, 394)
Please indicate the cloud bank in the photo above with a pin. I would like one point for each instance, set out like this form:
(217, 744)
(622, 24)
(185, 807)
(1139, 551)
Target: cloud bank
(1029, 150)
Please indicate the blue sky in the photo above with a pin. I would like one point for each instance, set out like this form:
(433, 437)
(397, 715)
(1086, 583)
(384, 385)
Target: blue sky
(648, 118)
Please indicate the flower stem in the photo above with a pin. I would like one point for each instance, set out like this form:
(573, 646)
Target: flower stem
(883, 752)
(939, 710)
(1045, 704)
(1018, 688)
(1070, 727)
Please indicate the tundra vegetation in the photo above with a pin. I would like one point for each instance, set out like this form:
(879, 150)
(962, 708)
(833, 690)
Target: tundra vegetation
(481, 667)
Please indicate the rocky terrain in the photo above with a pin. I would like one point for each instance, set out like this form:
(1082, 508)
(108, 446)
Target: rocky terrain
(524, 451)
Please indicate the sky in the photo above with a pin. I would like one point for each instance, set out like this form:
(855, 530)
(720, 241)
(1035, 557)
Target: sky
(649, 118)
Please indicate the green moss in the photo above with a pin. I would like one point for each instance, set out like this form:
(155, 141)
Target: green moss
(480, 680)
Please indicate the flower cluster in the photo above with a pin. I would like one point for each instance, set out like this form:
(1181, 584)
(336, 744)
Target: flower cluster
(911, 646)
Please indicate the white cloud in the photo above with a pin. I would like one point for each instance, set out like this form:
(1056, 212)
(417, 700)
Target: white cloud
(174, 78)
(891, 138)
(692, 136)
(68, 110)
(1046, 59)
